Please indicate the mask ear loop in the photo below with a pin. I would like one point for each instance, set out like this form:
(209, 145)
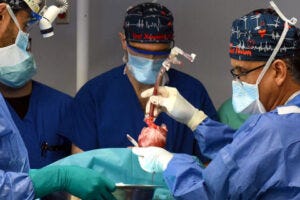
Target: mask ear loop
(292, 21)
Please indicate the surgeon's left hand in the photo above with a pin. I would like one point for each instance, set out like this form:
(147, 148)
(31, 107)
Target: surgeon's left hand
(81, 182)
(153, 159)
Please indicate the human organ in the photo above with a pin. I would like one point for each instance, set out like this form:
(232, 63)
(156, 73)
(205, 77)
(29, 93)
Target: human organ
(153, 135)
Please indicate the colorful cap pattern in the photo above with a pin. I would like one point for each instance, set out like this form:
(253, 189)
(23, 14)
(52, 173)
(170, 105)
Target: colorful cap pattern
(20, 4)
(255, 35)
(149, 23)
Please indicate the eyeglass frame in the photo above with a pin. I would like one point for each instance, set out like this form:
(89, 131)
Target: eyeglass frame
(237, 76)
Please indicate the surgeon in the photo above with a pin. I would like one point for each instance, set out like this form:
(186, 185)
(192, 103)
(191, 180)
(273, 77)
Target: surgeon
(109, 106)
(16, 68)
(261, 159)
(36, 109)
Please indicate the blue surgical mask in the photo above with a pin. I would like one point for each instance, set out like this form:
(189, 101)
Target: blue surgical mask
(17, 66)
(18, 75)
(144, 70)
(245, 98)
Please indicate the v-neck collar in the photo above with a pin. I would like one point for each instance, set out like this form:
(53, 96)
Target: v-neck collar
(29, 109)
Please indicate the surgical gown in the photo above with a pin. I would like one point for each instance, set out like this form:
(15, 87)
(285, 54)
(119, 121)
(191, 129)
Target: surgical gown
(107, 108)
(46, 111)
(15, 183)
(259, 161)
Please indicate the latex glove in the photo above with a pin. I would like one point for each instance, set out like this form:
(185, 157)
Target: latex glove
(153, 159)
(170, 101)
(82, 182)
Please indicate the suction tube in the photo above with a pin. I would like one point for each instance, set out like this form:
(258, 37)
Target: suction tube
(172, 59)
(49, 15)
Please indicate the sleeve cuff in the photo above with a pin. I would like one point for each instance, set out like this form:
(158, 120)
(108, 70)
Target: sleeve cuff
(196, 119)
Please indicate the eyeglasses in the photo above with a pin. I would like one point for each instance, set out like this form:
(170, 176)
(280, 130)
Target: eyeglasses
(147, 52)
(237, 72)
(33, 20)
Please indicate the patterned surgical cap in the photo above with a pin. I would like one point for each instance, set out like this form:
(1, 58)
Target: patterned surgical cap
(149, 23)
(255, 35)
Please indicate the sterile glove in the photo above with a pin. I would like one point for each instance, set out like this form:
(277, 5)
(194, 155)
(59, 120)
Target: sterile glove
(170, 101)
(82, 182)
(153, 159)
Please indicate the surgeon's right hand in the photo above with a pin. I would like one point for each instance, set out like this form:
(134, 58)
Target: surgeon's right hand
(170, 101)
(82, 182)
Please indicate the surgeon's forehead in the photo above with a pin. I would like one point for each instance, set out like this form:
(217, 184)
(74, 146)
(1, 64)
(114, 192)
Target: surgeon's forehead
(244, 64)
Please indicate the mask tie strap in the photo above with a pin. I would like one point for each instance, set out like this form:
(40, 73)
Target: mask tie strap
(292, 21)
(11, 13)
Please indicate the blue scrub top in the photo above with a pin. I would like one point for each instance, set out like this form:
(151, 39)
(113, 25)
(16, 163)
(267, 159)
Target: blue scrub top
(14, 165)
(106, 109)
(47, 108)
(258, 161)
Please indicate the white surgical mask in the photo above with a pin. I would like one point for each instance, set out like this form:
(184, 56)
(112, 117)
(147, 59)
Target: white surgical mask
(144, 70)
(17, 65)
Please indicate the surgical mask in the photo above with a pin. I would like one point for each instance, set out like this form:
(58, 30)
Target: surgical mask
(245, 96)
(17, 65)
(18, 75)
(144, 70)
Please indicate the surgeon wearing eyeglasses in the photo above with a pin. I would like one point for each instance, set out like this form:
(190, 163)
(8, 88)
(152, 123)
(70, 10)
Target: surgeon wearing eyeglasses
(110, 106)
(261, 159)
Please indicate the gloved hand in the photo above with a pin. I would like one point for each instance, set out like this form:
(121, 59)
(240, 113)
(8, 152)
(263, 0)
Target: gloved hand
(170, 101)
(153, 159)
(82, 182)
